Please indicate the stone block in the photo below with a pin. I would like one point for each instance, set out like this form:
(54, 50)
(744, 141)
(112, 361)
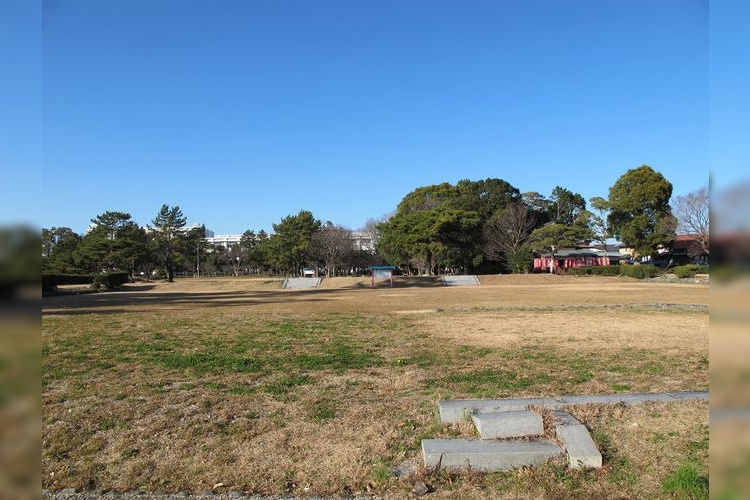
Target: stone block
(461, 280)
(576, 439)
(508, 424)
(487, 456)
(455, 410)
(301, 283)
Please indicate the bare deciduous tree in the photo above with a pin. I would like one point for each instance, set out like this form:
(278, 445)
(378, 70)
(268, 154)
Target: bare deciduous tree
(692, 212)
(507, 231)
(371, 228)
(598, 220)
(332, 244)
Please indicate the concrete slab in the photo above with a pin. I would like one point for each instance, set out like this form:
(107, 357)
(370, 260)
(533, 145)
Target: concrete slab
(508, 424)
(688, 395)
(456, 409)
(461, 280)
(576, 439)
(487, 456)
(301, 283)
(616, 398)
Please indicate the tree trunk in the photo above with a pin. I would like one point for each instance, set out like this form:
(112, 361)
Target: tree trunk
(552, 263)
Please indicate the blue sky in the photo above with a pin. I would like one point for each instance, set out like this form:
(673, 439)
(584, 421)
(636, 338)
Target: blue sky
(243, 112)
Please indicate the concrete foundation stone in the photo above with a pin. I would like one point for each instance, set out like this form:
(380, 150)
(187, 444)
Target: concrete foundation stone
(508, 424)
(455, 410)
(487, 456)
(576, 439)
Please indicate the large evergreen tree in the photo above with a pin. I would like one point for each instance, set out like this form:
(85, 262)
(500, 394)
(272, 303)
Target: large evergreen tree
(59, 246)
(168, 228)
(441, 225)
(565, 205)
(288, 249)
(113, 243)
(640, 215)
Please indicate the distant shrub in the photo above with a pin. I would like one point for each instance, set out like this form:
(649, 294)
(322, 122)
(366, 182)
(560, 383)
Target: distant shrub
(52, 281)
(689, 271)
(108, 281)
(640, 271)
(611, 270)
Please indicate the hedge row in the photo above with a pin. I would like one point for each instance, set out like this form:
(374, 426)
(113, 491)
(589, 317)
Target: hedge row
(613, 270)
(640, 271)
(109, 281)
(52, 281)
(689, 271)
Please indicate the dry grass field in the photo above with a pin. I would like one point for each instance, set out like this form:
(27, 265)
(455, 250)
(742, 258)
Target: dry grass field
(236, 385)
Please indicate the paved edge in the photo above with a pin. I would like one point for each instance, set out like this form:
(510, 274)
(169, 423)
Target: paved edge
(457, 410)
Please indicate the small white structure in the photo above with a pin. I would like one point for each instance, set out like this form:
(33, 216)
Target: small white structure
(309, 272)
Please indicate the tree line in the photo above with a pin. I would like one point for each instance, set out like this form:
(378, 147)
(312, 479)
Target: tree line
(471, 227)
(166, 248)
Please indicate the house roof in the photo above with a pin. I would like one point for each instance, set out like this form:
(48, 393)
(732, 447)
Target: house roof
(689, 243)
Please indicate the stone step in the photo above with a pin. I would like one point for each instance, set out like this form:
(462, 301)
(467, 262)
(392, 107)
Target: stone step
(301, 283)
(461, 280)
(576, 439)
(487, 456)
(508, 424)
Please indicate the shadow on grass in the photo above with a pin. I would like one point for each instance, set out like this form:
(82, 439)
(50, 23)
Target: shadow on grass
(141, 295)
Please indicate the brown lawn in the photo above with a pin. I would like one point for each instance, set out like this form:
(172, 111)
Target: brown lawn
(182, 386)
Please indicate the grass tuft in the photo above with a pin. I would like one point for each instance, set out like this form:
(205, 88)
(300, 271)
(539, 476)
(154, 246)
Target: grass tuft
(687, 482)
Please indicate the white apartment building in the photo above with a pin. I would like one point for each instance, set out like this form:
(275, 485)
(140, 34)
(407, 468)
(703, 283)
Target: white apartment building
(224, 240)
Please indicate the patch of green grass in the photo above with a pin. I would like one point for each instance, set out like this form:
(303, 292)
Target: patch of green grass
(323, 410)
(381, 473)
(471, 352)
(207, 362)
(242, 390)
(687, 482)
(422, 359)
(488, 382)
(214, 385)
(581, 369)
(620, 387)
(339, 357)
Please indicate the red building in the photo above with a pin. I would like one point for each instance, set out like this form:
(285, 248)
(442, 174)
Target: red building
(577, 257)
